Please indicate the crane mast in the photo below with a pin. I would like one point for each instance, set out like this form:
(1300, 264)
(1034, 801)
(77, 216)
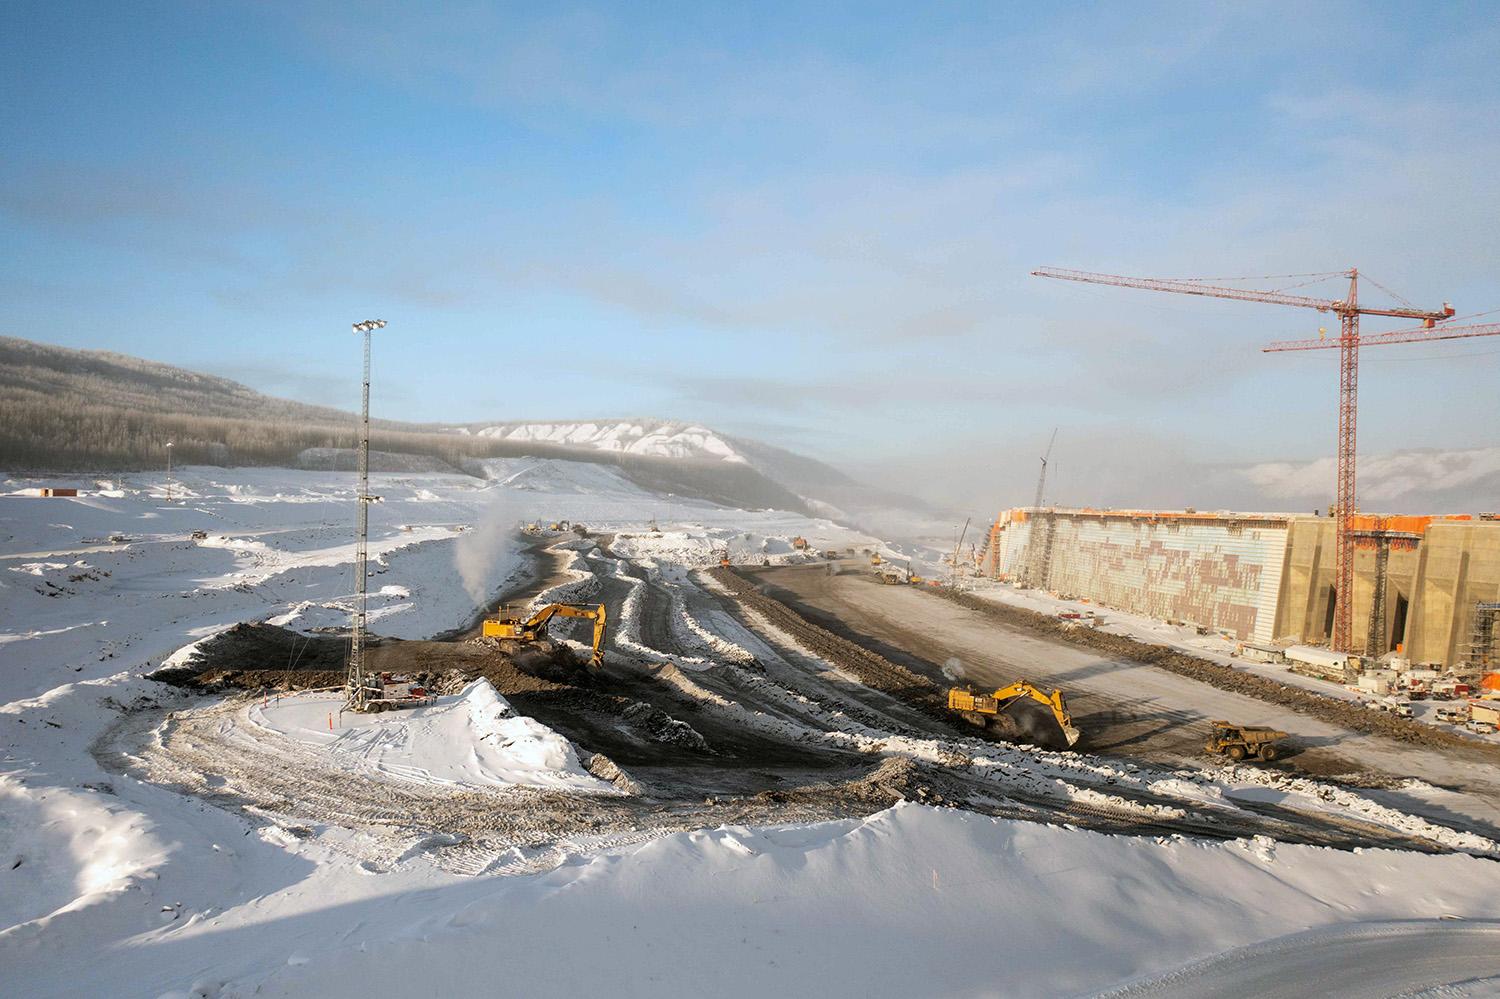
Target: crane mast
(1039, 547)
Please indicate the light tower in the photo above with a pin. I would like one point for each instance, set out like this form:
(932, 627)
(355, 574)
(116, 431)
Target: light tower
(169, 471)
(356, 686)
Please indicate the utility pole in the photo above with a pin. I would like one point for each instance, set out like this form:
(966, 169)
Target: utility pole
(169, 471)
(356, 685)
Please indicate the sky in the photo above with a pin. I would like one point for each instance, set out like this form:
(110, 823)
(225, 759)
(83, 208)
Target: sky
(808, 224)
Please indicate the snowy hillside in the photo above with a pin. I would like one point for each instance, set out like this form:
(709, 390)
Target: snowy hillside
(655, 439)
(816, 485)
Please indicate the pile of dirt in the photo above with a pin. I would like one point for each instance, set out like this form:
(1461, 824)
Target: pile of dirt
(662, 727)
(215, 680)
(1338, 712)
(606, 769)
(259, 648)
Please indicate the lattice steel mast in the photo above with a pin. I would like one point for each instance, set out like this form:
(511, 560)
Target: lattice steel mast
(356, 684)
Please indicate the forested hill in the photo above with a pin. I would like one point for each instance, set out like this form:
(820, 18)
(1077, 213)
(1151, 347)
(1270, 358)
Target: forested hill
(64, 410)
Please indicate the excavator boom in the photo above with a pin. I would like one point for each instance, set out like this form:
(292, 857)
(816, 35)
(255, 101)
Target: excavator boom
(979, 709)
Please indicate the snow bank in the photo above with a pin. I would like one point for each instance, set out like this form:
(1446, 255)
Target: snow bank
(911, 901)
(472, 738)
(63, 851)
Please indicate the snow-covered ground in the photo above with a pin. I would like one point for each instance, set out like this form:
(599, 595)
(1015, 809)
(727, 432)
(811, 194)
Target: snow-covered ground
(114, 886)
(469, 739)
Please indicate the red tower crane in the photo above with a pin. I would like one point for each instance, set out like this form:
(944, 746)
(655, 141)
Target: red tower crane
(1348, 310)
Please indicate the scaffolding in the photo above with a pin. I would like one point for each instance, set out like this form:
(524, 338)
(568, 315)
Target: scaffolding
(1483, 654)
(1382, 540)
(1039, 549)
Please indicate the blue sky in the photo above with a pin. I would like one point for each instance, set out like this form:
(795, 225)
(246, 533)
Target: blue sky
(809, 226)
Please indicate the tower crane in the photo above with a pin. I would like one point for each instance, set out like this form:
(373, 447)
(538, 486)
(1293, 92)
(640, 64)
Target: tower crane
(1348, 310)
(1036, 564)
(1041, 480)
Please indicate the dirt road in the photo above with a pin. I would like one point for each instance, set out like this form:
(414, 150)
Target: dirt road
(1125, 708)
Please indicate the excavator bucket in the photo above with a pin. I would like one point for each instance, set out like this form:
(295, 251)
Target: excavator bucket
(1021, 712)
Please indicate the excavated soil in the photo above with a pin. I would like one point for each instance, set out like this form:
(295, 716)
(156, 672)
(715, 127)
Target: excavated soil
(1025, 721)
(869, 668)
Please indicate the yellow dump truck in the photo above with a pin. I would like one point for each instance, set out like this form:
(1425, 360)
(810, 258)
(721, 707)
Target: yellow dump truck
(1239, 742)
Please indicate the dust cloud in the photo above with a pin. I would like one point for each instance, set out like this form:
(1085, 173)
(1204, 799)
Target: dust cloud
(480, 551)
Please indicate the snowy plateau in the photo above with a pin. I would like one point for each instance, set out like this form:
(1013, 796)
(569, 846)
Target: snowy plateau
(118, 881)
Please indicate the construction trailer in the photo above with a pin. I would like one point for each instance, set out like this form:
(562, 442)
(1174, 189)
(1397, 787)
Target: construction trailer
(1485, 711)
(1260, 652)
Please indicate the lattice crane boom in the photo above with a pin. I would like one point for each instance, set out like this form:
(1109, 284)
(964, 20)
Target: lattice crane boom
(1422, 334)
(1190, 286)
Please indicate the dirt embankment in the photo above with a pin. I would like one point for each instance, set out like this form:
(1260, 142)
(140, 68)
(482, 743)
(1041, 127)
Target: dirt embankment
(869, 668)
(1337, 712)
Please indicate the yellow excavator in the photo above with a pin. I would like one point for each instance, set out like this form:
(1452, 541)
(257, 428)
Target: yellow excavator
(988, 710)
(535, 626)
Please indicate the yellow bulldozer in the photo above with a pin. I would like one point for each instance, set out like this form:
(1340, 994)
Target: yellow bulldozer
(534, 627)
(1001, 711)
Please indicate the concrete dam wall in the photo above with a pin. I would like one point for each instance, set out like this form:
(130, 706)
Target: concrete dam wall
(1263, 577)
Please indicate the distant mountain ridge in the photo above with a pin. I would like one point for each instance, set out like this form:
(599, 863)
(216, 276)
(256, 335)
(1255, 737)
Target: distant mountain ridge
(84, 411)
(656, 438)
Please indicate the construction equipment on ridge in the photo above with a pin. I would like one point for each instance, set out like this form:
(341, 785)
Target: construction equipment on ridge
(1001, 711)
(1348, 310)
(535, 627)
